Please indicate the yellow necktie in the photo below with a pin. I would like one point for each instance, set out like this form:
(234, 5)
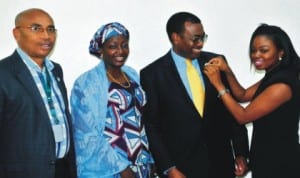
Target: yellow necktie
(196, 86)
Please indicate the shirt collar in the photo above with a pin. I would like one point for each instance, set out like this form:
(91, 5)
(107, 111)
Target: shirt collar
(30, 63)
(180, 59)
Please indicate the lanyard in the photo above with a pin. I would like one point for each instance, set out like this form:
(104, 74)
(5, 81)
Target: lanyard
(47, 88)
(60, 130)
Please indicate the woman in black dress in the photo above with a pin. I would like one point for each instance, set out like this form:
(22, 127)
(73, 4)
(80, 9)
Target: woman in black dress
(273, 103)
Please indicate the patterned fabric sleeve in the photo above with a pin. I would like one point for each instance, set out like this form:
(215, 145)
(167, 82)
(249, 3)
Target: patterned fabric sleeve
(94, 155)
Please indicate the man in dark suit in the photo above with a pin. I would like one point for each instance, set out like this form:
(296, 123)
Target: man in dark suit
(35, 128)
(184, 141)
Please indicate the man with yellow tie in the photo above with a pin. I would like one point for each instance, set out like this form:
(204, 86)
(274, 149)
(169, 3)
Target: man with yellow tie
(190, 132)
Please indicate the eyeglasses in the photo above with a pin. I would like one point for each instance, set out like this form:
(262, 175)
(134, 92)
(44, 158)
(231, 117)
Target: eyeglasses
(39, 29)
(202, 38)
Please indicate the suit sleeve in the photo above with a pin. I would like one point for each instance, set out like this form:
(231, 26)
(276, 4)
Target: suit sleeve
(239, 132)
(151, 117)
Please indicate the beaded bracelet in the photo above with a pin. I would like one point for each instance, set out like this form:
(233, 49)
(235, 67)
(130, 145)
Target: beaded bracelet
(222, 92)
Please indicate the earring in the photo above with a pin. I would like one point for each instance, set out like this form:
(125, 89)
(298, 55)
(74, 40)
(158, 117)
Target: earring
(280, 58)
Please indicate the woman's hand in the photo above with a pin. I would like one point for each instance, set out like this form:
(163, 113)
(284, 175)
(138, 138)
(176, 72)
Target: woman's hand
(212, 71)
(175, 173)
(220, 62)
(127, 173)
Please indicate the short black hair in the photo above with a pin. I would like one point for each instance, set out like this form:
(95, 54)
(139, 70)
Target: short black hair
(176, 22)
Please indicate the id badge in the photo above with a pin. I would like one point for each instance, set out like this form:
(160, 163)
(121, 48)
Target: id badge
(59, 132)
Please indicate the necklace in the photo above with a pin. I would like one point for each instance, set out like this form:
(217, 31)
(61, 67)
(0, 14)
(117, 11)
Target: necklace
(113, 79)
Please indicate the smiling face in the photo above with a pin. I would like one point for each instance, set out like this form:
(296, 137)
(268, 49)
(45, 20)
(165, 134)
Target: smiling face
(264, 54)
(115, 52)
(190, 42)
(36, 43)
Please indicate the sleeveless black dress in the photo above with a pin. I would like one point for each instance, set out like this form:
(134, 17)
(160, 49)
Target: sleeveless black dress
(275, 150)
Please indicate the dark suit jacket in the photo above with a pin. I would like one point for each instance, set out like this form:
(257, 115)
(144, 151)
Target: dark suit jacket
(178, 135)
(27, 141)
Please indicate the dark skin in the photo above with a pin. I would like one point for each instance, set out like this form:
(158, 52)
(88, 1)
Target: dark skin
(187, 45)
(127, 173)
(36, 44)
(114, 53)
(265, 56)
(184, 44)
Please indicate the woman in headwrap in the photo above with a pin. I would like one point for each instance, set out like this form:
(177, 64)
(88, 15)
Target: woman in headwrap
(106, 104)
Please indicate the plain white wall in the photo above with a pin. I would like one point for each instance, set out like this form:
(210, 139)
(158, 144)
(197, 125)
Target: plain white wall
(229, 25)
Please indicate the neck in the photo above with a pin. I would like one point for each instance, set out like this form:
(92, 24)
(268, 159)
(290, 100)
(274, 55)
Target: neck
(119, 77)
(114, 72)
(40, 62)
(273, 67)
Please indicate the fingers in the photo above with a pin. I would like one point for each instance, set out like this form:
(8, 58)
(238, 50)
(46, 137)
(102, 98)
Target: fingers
(219, 62)
(210, 68)
(239, 170)
(241, 167)
(216, 60)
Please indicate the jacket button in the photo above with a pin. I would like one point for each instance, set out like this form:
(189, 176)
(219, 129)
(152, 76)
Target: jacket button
(52, 162)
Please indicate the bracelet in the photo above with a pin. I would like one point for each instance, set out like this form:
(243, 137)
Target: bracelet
(222, 92)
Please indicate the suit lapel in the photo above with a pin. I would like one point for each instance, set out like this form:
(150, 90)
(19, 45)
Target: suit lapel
(209, 89)
(57, 76)
(24, 76)
(204, 58)
(173, 75)
(201, 61)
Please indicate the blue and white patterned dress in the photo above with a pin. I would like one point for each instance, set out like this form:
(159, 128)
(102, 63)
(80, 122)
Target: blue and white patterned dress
(124, 129)
(95, 156)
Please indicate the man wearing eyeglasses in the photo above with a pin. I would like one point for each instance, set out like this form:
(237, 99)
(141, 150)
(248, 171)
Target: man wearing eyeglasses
(35, 129)
(190, 135)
